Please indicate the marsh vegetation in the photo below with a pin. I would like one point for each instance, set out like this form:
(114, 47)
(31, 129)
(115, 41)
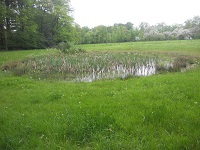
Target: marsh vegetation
(87, 67)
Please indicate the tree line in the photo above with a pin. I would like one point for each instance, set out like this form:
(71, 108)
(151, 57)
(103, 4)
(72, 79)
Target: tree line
(33, 24)
(144, 32)
(28, 24)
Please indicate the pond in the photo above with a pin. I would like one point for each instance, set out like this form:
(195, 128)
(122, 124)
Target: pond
(88, 67)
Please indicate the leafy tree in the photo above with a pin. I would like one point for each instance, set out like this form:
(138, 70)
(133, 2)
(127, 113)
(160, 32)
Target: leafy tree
(127, 32)
(129, 26)
(194, 22)
(35, 23)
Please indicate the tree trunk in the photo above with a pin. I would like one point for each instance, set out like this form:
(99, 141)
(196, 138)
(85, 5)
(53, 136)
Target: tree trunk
(7, 30)
(1, 36)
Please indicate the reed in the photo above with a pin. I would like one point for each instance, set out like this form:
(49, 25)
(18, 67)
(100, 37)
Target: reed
(94, 66)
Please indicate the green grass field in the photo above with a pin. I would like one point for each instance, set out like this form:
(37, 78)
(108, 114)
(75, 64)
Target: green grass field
(155, 112)
(167, 46)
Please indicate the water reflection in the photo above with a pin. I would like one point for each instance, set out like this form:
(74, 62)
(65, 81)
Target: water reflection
(123, 71)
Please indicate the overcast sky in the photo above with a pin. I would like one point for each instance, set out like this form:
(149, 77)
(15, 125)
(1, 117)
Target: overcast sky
(92, 13)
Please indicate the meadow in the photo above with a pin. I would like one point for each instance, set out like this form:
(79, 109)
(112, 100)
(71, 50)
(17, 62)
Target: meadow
(161, 111)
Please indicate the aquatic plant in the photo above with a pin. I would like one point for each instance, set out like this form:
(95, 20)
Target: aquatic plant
(93, 66)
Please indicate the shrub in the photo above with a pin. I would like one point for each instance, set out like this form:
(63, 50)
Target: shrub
(69, 48)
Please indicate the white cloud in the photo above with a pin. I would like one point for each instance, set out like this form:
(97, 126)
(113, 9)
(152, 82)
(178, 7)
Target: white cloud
(107, 12)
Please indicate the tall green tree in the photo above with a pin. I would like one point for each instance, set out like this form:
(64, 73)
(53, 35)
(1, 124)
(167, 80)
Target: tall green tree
(26, 24)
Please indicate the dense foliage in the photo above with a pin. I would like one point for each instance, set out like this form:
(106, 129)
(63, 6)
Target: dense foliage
(146, 32)
(26, 24)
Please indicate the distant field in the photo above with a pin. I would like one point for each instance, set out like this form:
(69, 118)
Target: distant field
(154, 112)
(152, 46)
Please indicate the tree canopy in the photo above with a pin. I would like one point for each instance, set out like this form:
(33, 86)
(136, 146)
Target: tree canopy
(145, 32)
(26, 24)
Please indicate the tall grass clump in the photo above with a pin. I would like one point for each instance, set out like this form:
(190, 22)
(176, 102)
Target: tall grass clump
(69, 48)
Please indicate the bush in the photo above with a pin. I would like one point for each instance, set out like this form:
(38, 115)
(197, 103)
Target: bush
(69, 48)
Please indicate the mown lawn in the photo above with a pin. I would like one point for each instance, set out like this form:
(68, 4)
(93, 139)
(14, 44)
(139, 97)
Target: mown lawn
(155, 112)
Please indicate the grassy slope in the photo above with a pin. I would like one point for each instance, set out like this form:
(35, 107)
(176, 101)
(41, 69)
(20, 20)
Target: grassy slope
(156, 112)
